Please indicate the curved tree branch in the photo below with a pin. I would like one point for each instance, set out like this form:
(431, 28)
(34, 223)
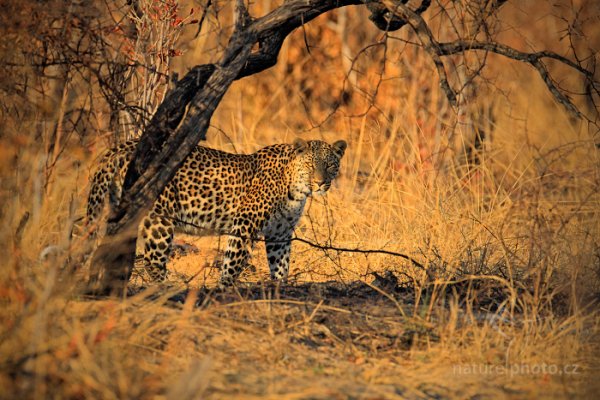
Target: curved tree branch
(534, 59)
(436, 50)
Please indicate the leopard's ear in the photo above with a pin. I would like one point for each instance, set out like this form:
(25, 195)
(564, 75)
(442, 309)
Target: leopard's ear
(300, 146)
(339, 147)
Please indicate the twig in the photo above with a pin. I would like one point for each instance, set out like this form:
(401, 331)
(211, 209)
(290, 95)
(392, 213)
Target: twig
(361, 251)
(318, 246)
(201, 21)
(430, 45)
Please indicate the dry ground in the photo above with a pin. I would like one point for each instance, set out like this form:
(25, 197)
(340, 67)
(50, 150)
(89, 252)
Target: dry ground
(305, 340)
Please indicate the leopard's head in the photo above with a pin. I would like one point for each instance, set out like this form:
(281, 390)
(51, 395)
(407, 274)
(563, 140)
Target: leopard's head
(317, 164)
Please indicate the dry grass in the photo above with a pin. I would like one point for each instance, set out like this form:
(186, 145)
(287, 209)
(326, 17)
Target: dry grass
(508, 307)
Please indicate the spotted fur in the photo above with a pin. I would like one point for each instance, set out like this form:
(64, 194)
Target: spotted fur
(245, 196)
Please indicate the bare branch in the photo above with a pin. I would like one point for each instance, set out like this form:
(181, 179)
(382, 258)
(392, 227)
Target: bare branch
(436, 50)
(202, 18)
(535, 59)
(430, 45)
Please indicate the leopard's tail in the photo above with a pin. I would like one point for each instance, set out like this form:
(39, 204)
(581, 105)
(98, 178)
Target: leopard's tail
(107, 181)
(103, 178)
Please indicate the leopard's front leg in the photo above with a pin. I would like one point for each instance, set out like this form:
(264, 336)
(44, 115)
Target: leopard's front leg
(236, 259)
(239, 246)
(278, 255)
(247, 225)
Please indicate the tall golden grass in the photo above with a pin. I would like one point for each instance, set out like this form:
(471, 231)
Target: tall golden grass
(507, 308)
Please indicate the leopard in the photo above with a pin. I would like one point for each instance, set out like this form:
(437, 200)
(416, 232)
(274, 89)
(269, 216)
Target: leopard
(246, 197)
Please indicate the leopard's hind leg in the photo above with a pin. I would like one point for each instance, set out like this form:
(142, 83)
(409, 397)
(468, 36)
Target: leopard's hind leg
(156, 232)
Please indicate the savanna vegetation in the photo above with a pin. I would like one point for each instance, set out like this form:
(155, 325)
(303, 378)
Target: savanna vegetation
(456, 256)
